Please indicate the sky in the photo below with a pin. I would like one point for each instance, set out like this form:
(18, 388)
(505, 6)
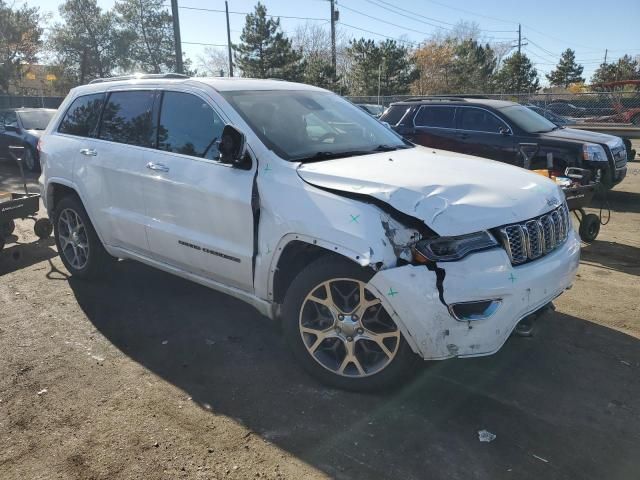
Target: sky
(548, 26)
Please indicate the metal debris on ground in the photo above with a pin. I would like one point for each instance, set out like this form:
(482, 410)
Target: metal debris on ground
(486, 436)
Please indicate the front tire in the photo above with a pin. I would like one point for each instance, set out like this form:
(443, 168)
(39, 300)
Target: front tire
(78, 244)
(340, 332)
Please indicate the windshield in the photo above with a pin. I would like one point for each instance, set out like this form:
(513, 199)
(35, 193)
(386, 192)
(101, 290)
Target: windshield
(528, 120)
(304, 125)
(36, 119)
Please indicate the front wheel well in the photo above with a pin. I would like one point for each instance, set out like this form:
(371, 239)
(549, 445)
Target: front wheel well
(57, 192)
(294, 257)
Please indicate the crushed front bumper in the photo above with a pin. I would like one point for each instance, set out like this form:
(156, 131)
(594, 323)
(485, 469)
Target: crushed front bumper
(420, 308)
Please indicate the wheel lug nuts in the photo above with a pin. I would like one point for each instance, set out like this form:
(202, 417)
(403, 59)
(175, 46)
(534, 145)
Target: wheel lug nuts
(349, 339)
(360, 331)
(354, 317)
(340, 317)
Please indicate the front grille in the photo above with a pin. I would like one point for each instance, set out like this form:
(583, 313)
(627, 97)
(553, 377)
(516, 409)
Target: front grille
(619, 156)
(535, 238)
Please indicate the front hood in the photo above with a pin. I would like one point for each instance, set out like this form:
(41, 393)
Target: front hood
(452, 194)
(582, 136)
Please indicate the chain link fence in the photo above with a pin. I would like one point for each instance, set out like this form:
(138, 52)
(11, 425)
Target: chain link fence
(17, 101)
(578, 109)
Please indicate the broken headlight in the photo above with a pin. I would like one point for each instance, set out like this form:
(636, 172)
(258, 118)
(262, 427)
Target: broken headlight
(447, 249)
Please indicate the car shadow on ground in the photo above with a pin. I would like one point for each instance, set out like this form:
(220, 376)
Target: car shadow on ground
(618, 201)
(562, 404)
(613, 255)
(16, 256)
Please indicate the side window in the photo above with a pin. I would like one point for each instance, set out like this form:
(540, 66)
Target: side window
(441, 117)
(82, 116)
(188, 125)
(11, 118)
(127, 118)
(394, 114)
(479, 120)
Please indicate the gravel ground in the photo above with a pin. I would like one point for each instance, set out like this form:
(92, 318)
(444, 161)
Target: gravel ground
(145, 375)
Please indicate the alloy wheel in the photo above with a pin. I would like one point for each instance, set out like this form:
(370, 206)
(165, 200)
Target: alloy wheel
(346, 329)
(74, 242)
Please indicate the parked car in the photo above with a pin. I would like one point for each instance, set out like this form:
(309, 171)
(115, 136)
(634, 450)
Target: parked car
(555, 118)
(372, 109)
(507, 132)
(369, 249)
(23, 127)
(567, 109)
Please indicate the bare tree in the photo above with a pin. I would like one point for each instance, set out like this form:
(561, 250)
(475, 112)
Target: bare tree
(214, 62)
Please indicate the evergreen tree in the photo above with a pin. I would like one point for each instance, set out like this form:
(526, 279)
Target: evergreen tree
(264, 51)
(625, 68)
(517, 75)
(148, 29)
(567, 70)
(472, 67)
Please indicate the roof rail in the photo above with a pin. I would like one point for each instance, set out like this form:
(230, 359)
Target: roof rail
(432, 98)
(137, 76)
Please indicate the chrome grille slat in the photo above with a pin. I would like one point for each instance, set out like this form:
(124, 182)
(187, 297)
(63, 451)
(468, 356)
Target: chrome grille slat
(536, 237)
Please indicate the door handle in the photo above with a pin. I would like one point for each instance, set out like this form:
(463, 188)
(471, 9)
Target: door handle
(159, 167)
(88, 152)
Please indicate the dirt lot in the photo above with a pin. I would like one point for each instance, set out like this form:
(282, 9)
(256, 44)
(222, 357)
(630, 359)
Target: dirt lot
(145, 375)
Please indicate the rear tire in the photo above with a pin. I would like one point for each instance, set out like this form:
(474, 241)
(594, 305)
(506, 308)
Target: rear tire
(79, 247)
(31, 163)
(346, 340)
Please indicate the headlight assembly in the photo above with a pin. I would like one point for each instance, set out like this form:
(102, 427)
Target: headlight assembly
(593, 152)
(447, 249)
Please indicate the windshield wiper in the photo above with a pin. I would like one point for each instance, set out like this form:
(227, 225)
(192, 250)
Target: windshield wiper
(319, 156)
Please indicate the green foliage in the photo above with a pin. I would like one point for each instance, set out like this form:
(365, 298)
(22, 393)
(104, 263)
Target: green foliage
(625, 68)
(472, 68)
(318, 71)
(87, 45)
(386, 64)
(147, 28)
(516, 75)
(567, 71)
(20, 40)
(264, 51)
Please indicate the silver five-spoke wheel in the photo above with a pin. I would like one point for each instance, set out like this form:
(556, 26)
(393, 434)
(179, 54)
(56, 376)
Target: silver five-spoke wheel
(346, 329)
(73, 238)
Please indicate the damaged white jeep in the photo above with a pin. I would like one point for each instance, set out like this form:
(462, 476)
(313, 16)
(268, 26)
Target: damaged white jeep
(372, 251)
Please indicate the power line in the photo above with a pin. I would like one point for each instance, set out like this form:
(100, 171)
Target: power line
(379, 34)
(385, 21)
(215, 10)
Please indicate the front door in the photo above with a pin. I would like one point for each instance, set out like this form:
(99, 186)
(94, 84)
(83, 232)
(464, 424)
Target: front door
(434, 126)
(483, 134)
(200, 215)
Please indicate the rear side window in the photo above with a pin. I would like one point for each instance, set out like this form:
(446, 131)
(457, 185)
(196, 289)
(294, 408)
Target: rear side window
(82, 116)
(441, 117)
(479, 120)
(127, 118)
(394, 114)
(188, 125)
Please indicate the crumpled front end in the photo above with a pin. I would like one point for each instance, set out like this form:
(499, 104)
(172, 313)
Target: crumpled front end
(421, 300)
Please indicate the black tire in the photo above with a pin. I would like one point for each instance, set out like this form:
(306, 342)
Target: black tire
(1, 242)
(30, 161)
(97, 258)
(589, 227)
(7, 228)
(43, 228)
(399, 368)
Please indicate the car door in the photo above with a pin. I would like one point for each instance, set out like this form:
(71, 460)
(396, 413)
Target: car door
(482, 133)
(200, 215)
(112, 165)
(3, 138)
(434, 126)
(9, 137)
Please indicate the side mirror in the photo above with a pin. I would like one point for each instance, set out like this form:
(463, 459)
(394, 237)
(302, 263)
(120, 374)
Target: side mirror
(504, 131)
(12, 128)
(233, 147)
(386, 124)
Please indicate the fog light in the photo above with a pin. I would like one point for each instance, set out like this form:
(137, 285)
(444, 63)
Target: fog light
(479, 310)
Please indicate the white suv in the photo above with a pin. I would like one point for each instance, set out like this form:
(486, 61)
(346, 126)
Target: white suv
(371, 250)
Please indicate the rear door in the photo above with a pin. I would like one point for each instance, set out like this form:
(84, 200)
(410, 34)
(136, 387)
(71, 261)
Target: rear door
(482, 133)
(200, 215)
(111, 166)
(434, 126)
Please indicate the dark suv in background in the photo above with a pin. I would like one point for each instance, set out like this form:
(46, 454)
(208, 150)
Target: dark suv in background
(507, 132)
(23, 127)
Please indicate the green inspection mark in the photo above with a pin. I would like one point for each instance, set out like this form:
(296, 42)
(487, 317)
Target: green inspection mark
(512, 278)
(267, 168)
(354, 218)
(392, 292)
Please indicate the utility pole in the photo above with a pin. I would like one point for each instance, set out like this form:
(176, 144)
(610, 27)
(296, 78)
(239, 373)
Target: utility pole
(519, 38)
(519, 58)
(226, 8)
(176, 35)
(606, 50)
(333, 37)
